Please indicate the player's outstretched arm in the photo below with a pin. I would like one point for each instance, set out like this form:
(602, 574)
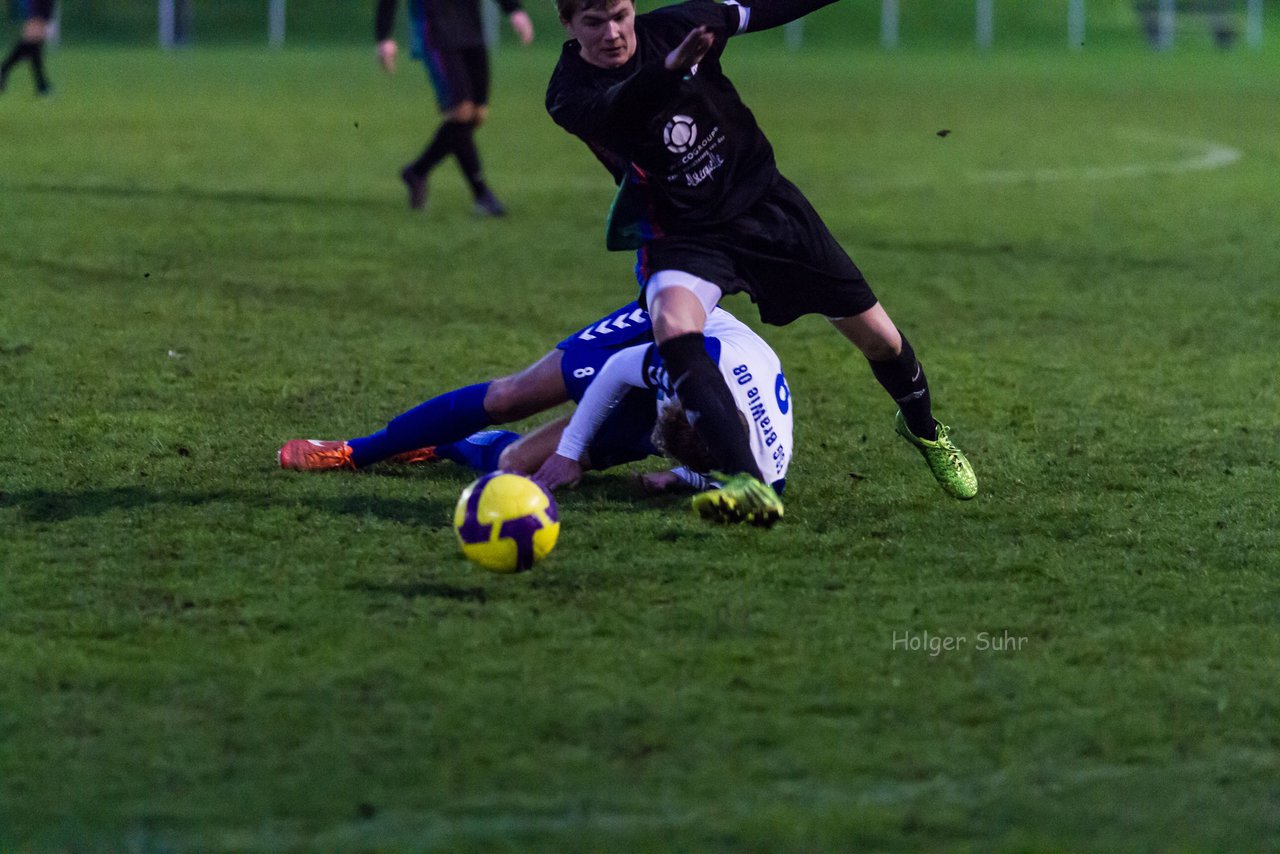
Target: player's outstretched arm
(690, 52)
(522, 25)
(387, 50)
(623, 371)
(384, 21)
(767, 14)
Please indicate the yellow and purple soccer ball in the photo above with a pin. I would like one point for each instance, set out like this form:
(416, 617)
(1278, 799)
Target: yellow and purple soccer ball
(506, 522)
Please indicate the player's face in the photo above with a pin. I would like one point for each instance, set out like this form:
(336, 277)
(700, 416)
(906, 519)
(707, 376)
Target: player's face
(605, 32)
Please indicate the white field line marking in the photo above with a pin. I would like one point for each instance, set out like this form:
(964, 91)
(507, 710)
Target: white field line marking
(501, 820)
(1201, 155)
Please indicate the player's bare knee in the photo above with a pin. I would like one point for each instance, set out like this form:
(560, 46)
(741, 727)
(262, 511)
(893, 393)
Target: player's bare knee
(464, 113)
(872, 332)
(519, 459)
(527, 392)
(673, 318)
(664, 332)
(880, 350)
(679, 303)
(479, 115)
(510, 460)
(503, 400)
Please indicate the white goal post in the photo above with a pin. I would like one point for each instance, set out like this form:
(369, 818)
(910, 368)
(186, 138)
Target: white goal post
(173, 22)
(174, 18)
(985, 24)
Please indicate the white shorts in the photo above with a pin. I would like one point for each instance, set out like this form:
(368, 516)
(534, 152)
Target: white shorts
(707, 293)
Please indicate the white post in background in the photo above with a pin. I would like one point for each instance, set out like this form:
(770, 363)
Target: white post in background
(889, 24)
(793, 34)
(167, 19)
(490, 24)
(1165, 22)
(275, 23)
(986, 27)
(1253, 23)
(1075, 24)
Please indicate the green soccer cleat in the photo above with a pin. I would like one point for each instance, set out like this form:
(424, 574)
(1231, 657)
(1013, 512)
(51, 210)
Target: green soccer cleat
(742, 498)
(946, 461)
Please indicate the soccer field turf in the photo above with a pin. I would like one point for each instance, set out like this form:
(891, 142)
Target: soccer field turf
(207, 253)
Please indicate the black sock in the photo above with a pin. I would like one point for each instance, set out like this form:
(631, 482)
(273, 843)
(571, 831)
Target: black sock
(37, 66)
(15, 56)
(469, 159)
(441, 146)
(708, 403)
(905, 381)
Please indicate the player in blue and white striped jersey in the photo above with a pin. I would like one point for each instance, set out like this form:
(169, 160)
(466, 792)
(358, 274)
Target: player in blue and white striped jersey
(751, 370)
(633, 414)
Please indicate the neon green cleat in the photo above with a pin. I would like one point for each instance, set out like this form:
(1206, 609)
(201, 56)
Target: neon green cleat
(742, 498)
(946, 461)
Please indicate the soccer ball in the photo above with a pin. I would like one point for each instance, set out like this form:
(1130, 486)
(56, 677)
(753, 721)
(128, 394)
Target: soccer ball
(506, 522)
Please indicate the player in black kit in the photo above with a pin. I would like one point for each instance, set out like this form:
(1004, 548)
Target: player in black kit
(30, 45)
(448, 38)
(702, 200)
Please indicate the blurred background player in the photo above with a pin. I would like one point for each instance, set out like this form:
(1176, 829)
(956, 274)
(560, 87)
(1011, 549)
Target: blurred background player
(448, 36)
(30, 45)
(703, 201)
(559, 376)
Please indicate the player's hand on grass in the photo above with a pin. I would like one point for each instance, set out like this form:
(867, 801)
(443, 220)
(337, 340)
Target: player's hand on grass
(523, 26)
(690, 51)
(558, 471)
(387, 50)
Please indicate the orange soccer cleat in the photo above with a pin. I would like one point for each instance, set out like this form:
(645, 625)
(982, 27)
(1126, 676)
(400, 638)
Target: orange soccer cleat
(315, 455)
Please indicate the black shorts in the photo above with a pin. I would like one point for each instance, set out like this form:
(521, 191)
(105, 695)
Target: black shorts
(457, 75)
(779, 252)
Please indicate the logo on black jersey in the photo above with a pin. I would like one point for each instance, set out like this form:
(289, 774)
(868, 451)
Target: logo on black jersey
(679, 134)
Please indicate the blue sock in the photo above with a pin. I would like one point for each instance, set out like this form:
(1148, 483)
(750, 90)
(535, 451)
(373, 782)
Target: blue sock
(442, 419)
(480, 451)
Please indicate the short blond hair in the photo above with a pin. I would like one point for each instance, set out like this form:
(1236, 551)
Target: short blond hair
(674, 436)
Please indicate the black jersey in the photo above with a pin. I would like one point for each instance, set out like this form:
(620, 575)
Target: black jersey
(691, 146)
(445, 24)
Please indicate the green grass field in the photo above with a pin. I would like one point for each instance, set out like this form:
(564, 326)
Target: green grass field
(205, 254)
